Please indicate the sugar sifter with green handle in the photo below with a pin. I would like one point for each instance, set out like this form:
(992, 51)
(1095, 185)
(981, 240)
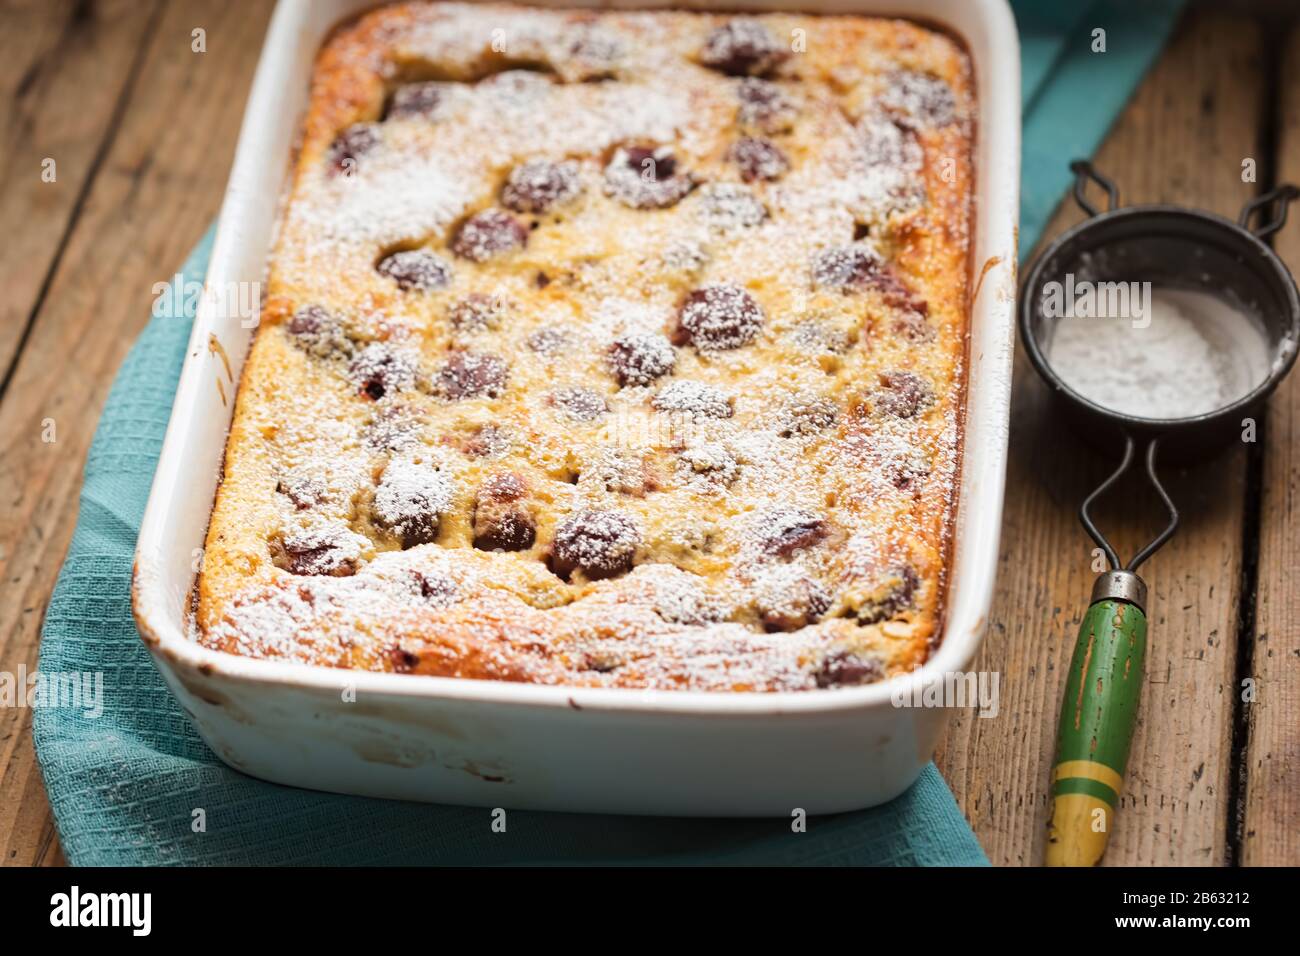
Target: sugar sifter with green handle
(1160, 331)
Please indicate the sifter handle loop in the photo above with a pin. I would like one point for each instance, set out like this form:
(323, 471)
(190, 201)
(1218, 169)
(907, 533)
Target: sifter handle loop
(1282, 195)
(1083, 172)
(1085, 510)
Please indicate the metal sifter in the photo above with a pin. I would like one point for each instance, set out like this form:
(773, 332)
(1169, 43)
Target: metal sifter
(1185, 251)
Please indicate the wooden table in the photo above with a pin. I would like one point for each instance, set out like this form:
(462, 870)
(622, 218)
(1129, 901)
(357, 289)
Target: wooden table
(142, 130)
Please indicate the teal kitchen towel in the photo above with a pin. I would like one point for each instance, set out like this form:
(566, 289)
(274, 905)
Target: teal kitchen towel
(126, 775)
(1080, 63)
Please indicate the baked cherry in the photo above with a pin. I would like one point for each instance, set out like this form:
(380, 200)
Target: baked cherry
(487, 441)
(787, 602)
(549, 341)
(641, 357)
(501, 522)
(655, 162)
(906, 470)
(479, 312)
(393, 428)
(783, 531)
(471, 375)
(719, 317)
(846, 268)
(379, 369)
(415, 269)
(895, 592)
(415, 99)
(897, 295)
(806, 416)
(764, 106)
(902, 394)
(328, 551)
(436, 589)
(410, 501)
(489, 233)
(682, 601)
(919, 99)
(815, 337)
(758, 159)
(741, 47)
(707, 466)
(402, 660)
(350, 145)
(646, 177)
(912, 325)
(310, 320)
(504, 529)
(539, 185)
(503, 486)
(593, 55)
(883, 142)
(623, 473)
(686, 256)
(844, 668)
(303, 489)
(319, 332)
(859, 268)
(600, 544)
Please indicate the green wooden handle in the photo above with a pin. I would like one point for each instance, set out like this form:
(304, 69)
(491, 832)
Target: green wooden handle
(1096, 729)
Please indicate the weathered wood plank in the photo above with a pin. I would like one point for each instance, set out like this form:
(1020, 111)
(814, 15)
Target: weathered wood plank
(65, 69)
(1181, 140)
(1271, 824)
(159, 185)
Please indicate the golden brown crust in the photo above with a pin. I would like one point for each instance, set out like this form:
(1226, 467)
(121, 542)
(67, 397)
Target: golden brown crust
(618, 349)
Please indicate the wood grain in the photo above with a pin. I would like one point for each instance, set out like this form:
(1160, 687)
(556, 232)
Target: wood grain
(1181, 140)
(65, 72)
(156, 189)
(1271, 822)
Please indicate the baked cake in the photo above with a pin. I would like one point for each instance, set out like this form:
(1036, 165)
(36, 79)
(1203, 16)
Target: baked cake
(607, 348)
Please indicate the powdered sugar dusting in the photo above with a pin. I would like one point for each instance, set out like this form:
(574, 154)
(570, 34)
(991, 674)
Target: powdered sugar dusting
(576, 256)
(392, 198)
(696, 399)
(410, 490)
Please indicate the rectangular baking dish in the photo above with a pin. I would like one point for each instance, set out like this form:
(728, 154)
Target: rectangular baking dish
(501, 744)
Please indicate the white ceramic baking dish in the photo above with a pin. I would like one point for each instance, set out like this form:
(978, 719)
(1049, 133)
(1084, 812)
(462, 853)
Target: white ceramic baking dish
(515, 745)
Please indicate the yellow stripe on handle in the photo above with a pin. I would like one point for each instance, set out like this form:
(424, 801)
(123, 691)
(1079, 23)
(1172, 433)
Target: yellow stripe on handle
(1088, 770)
